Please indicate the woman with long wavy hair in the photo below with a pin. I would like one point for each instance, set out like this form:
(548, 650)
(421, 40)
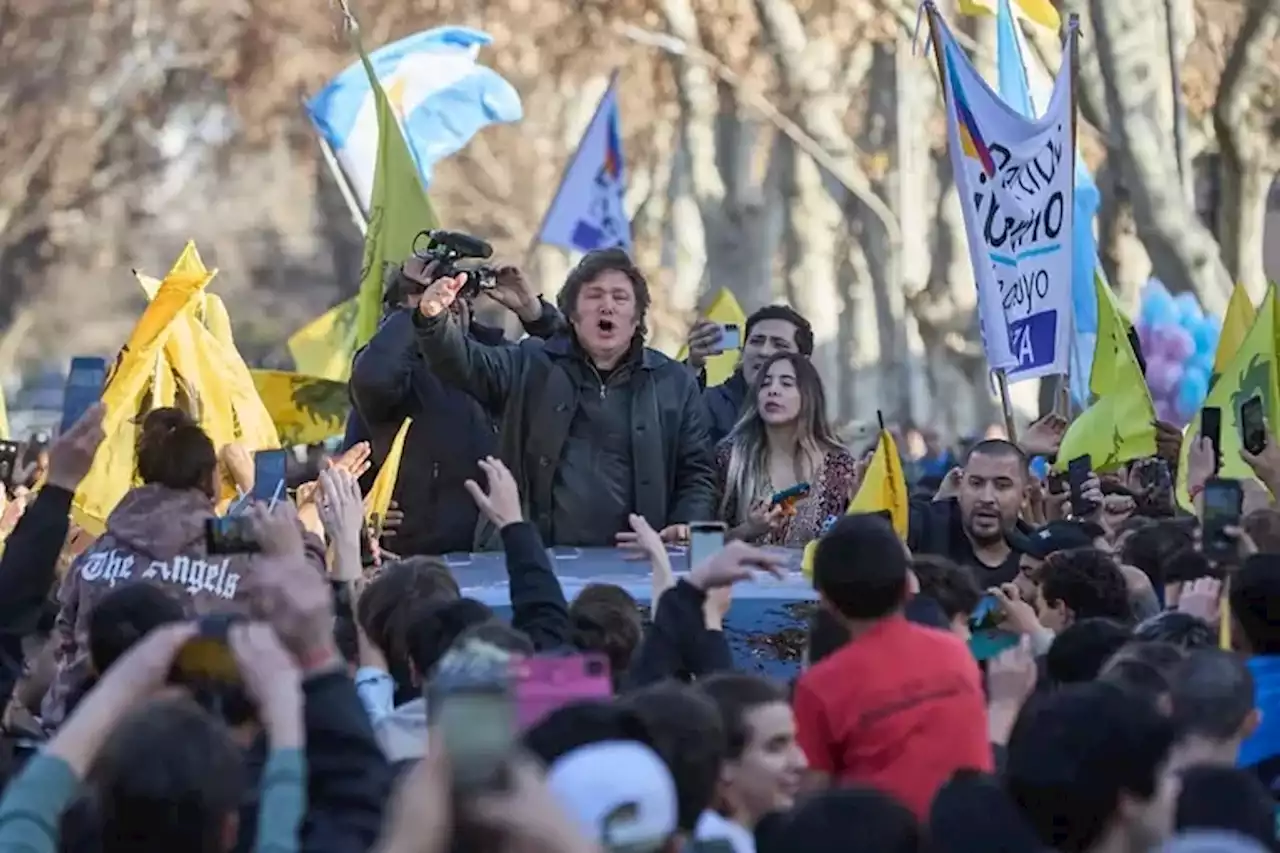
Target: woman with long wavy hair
(782, 440)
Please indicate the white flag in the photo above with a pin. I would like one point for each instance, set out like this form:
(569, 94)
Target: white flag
(587, 212)
(1016, 181)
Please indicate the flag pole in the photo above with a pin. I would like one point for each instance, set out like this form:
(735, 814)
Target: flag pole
(1002, 379)
(537, 235)
(344, 185)
(1071, 44)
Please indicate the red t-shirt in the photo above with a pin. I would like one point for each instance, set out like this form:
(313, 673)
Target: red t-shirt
(900, 708)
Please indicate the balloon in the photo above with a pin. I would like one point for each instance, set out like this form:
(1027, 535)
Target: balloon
(1179, 345)
(1167, 411)
(1158, 308)
(1163, 377)
(1153, 286)
(1189, 310)
(1206, 333)
(1191, 393)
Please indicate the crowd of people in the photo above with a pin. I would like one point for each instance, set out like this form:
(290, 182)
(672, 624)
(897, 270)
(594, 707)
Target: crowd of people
(1031, 668)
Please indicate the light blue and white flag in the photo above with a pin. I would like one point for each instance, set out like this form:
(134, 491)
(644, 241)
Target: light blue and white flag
(588, 211)
(440, 94)
(1027, 87)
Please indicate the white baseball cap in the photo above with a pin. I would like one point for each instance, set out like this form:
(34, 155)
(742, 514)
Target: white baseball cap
(620, 793)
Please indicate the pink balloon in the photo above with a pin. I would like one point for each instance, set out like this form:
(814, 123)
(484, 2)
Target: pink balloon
(1163, 378)
(1167, 411)
(1180, 346)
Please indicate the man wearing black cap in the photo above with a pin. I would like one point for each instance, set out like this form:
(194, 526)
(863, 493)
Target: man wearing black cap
(1034, 545)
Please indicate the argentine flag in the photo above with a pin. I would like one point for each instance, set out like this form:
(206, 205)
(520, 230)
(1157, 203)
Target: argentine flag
(439, 93)
(588, 211)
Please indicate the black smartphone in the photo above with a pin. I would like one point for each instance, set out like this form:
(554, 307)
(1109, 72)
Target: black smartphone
(8, 463)
(1253, 426)
(1079, 470)
(269, 467)
(85, 381)
(1223, 501)
(230, 534)
(1211, 428)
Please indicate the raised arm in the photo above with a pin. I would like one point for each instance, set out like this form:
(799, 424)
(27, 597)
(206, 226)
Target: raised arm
(486, 372)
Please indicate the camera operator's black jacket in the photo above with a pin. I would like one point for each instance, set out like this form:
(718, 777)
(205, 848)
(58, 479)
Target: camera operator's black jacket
(390, 381)
(538, 386)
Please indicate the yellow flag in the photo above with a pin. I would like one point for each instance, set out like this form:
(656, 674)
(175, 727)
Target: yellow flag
(399, 209)
(378, 501)
(1251, 372)
(4, 417)
(325, 346)
(126, 397)
(723, 309)
(210, 379)
(1040, 12)
(883, 489)
(1235, 325)
(1120, 424)
(305, 409)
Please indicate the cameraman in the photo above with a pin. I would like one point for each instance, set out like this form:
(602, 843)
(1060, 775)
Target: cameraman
(391, 381)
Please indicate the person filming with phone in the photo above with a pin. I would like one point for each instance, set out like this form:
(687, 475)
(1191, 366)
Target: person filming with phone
(157, 534)
(772, 330)
(391, 381)
(595, 426)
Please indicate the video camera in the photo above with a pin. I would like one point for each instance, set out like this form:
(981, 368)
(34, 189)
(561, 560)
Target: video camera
(446, 248)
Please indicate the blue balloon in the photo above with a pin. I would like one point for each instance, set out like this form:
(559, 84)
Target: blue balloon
(1189, 311)
(1192, 391)
(1206, 333)
(1153, 286)
(1159, 312)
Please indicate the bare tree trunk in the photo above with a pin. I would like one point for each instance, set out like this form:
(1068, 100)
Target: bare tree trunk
(1134, 60)
(1248, 134)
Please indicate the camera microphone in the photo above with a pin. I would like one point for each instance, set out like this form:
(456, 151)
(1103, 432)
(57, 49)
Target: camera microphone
(463, 244)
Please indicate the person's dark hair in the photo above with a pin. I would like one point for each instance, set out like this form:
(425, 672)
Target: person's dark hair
(736, 695)
(687, 733)
(1144, 668)
(946, 583)
(592, 266)
(606, 619)
(173, 451)
(827, 635)
(385, 608)
(1180, 629)
(1211, 695)
(972, 814)
(1074, 752)
(848, 820)
(804, 329)
(1088, 582)
(1078, 653)
(860, 567)
(1263, 527)
(1255, 589)
(580, 723)
(168, 778)
(1153, 544)
(435, 626)
(998, 448)
(1189, 565)
(1226, 799)
(124, 616)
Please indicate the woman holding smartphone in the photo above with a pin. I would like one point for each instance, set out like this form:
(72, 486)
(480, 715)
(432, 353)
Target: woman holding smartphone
(781, 474)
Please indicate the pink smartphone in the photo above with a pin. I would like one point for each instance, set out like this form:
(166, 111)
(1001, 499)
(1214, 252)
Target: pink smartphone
(544, 684)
